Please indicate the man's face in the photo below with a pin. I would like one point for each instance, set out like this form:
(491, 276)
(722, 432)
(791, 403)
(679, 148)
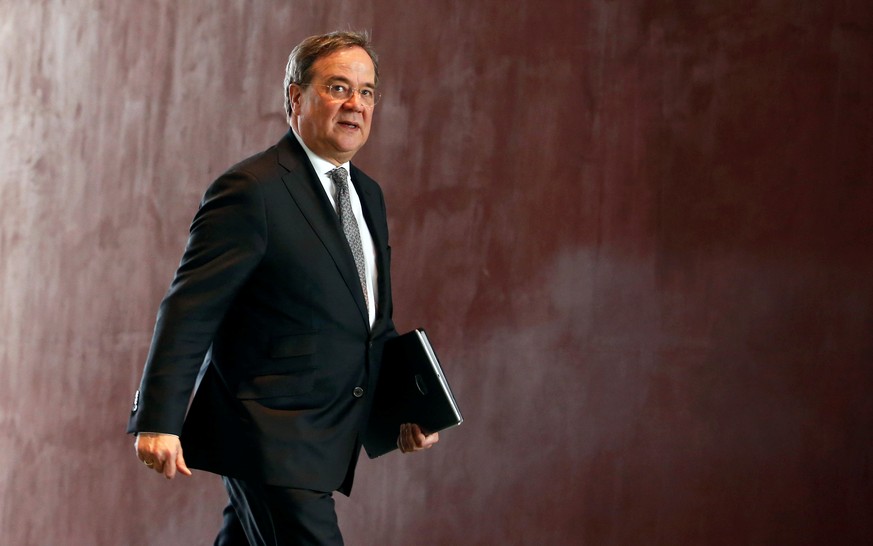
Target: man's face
(334, 129)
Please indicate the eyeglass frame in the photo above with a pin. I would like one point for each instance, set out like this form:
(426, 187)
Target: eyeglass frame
(352, 90)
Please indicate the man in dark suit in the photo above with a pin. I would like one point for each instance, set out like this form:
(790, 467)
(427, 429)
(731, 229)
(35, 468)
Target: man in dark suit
(280, 308)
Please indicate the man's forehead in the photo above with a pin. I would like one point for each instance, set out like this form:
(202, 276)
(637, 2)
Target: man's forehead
(344, 63)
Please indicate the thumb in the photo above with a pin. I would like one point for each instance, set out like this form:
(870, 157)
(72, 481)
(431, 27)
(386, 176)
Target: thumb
(180, 464)
(171, 466)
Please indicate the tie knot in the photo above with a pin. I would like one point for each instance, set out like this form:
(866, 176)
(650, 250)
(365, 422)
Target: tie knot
(340, 177)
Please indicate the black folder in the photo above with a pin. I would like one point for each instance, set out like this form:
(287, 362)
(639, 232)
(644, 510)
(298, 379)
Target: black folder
(411, 389)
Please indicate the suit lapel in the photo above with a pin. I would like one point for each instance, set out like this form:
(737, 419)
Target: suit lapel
(374, 216)
(303, 185)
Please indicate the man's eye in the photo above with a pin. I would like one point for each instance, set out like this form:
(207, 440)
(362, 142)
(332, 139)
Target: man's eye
(366, 92)
(336, 88)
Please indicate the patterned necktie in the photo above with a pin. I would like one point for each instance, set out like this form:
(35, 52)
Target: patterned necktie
(350, 226)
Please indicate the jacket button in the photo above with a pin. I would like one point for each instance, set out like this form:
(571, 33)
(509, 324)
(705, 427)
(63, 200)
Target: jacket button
(358, 392)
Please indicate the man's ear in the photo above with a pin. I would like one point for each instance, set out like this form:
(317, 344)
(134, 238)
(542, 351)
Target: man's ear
(294, 91)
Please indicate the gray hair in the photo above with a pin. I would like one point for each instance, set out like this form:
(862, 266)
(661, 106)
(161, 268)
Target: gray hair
(299, 67)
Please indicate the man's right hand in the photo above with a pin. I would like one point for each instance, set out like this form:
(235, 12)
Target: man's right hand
(162, 453)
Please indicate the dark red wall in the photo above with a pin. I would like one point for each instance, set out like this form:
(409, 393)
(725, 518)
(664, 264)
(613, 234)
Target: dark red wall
(639, 234)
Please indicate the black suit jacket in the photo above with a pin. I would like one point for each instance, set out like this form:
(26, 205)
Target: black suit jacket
(267, 299)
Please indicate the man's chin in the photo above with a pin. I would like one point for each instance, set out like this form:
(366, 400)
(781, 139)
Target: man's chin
(349, 147)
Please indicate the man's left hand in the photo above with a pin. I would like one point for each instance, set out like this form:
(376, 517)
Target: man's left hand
(412, 438)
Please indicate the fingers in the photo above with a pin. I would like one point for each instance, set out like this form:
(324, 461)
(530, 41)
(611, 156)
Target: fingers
(168, 469)
(161, 453)
(412, 438)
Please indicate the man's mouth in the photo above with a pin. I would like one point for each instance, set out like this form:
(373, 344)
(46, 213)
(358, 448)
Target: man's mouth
(349, 124)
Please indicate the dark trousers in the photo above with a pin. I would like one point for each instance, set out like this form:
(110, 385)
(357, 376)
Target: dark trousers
(263, 515)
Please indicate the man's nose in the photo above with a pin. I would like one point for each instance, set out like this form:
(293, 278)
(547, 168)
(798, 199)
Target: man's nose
(354, 102)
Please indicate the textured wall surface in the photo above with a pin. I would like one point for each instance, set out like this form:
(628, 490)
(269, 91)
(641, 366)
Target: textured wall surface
(639, 234)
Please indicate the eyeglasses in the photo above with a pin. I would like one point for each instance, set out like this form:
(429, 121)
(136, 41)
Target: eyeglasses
(339, 91)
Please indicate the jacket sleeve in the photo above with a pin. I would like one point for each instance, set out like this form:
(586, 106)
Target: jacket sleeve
(227, 240)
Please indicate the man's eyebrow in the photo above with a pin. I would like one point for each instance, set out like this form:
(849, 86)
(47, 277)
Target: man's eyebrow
(343, 79)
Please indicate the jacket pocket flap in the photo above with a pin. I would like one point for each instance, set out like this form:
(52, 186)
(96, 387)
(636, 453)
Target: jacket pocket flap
(277, 385)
